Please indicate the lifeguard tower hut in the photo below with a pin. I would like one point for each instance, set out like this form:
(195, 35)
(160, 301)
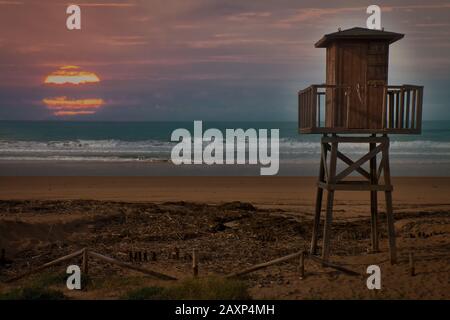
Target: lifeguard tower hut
(357, 100)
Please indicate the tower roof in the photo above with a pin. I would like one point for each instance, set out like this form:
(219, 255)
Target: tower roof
(358, 33)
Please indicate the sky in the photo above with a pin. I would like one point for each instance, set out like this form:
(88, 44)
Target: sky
(200, 59)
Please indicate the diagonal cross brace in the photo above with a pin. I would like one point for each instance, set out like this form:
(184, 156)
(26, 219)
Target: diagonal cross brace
(361, 161)
(349, 161)
(325, 147)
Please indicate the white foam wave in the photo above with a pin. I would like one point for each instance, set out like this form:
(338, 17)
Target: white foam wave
(157, 150)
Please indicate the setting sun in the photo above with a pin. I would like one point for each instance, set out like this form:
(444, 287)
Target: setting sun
(71, 75)
(72, 113)
(63, 106)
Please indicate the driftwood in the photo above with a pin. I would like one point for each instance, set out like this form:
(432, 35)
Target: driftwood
(47, 265)
(85, 253)
(130, 266)
(302, 256)
(334, 266)
(264, 265)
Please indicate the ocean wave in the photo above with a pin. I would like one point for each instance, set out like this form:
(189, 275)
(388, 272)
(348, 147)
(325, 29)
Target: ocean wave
(82, 159)
(158, 150)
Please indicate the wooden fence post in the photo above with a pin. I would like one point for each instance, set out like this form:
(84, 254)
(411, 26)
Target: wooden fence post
(195, 262)
(85, 262)
(412, 269)
(302, 265)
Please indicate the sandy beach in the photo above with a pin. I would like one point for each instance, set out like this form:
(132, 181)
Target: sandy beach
(234, 222)
(265, 191)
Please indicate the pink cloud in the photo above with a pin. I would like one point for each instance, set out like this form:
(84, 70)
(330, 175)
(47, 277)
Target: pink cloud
(106, 4)
(11, 3)
(248, 15)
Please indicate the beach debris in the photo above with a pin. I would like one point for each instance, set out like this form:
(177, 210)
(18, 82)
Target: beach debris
(153, 256)
(264, 265)
(141, 256)
(218, 227)
(4, 262)
(175, 254)
(85, 253)
(290, 257)
(130, 266)
(155, 235)
(232, 224)
(237, 205)
(266, 238)
(46, 265)
(187, 256)
(328, 264)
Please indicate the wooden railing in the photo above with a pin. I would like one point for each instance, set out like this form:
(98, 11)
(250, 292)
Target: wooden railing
(308, 112)
(326, 109)
(402, 107)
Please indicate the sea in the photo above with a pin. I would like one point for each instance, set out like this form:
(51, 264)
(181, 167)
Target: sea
(71, 148)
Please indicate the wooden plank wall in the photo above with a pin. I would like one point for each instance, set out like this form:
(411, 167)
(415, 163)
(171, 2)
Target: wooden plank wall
(330, 102)
(363, 65)
(352, 71)
(377, 77)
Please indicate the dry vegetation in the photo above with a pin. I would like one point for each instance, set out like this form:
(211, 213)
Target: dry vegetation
(228, 237)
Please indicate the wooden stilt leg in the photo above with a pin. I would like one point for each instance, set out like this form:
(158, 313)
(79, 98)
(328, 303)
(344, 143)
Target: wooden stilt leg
(389, 209)
(319, 196)
(374, 201)
(330, 199)
(316, 225)
(329, 180)
(327, 226)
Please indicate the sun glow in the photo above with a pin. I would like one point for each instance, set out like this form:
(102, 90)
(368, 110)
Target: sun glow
(59, 103)
(63, 106)
(72, 113)
(71, 75)
(71, 106)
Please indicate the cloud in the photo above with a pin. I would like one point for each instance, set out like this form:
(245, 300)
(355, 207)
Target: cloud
(231, 49)
(141, 18)
(313, 14)
(417, 7)
(248, 16)
(432, 25)
(106, 4)
(124, 41)
(224, 42)
(11, 3)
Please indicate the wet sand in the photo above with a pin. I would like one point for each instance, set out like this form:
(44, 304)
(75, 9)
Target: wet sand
(266, 191)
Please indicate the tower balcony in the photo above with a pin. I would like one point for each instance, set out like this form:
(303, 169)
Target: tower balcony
(371, 109)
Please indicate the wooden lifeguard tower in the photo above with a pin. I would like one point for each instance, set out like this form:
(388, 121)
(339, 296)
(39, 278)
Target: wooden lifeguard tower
(357, 100)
